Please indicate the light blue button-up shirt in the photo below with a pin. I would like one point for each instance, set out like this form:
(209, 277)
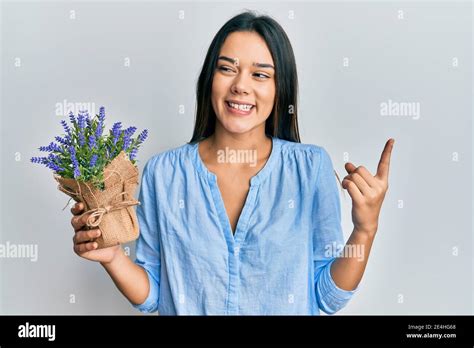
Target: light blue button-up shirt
(277, 263)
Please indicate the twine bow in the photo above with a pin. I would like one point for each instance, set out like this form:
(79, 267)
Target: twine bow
(95, 218)
(98, 213)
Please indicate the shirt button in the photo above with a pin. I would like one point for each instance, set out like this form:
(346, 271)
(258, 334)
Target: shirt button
(236, 250)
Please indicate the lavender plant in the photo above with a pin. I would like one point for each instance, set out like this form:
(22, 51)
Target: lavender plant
(83, 151)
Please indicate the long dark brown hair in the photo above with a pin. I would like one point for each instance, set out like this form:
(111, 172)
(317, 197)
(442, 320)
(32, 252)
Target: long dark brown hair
(282, 122)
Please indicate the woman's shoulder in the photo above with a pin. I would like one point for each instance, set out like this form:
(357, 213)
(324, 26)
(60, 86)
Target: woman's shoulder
(305, 148)
(170, 157)
(304, 153)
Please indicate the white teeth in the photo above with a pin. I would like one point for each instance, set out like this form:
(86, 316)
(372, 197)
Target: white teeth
(243, 107)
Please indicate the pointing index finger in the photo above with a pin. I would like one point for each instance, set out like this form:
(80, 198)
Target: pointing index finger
(384, 163)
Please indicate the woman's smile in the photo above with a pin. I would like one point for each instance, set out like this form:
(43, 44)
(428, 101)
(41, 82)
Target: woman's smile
(239, 109)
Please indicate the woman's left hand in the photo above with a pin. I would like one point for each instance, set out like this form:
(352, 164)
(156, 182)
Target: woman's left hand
(368, 192)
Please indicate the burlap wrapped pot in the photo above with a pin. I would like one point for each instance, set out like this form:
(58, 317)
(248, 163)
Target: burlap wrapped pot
(110, 209)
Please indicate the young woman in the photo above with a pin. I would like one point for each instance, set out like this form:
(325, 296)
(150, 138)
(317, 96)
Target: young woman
(244, 219)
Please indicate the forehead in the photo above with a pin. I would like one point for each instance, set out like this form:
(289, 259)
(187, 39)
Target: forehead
(247, 47)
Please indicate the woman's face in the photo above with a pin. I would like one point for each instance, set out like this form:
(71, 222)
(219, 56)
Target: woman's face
(244, 74)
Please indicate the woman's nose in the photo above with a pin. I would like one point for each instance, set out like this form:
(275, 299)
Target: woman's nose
(241, 84)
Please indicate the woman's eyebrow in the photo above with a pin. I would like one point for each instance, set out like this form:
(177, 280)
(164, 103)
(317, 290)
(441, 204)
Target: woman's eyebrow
(264, 65)
(259, 65)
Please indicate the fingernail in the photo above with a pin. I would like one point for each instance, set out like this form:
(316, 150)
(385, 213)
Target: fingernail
(97, 233)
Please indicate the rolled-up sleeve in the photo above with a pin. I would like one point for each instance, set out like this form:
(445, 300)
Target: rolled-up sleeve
(327, 238)
(148, 244)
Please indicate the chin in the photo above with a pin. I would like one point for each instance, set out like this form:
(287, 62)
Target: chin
(237, 126)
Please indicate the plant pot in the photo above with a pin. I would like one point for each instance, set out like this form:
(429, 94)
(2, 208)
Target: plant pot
(111, 209)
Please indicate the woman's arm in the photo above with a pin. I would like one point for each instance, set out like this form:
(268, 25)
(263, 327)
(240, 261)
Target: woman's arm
(130, 278)
(347, 271)
(367, 193)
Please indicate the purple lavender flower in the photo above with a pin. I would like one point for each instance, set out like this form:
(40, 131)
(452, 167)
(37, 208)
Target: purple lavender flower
(87, 119)
(116, 131)
(75, 164)
(133, 154)
(80, 138)
(41, 160)
(81, 123)
(72, 118)
(93, 161)
(100, 126)
(66, 127)
(77, 172)
(62, 140)
(51, 147)
(53, 157)
(92, 142)
(127, 137)
(72, 151)
(44, 148)
(131, 130)
(81, 120)
(143, 135)
(51, 163)
(55, 167)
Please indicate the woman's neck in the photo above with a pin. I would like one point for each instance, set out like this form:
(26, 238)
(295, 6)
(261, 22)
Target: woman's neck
(222, 140)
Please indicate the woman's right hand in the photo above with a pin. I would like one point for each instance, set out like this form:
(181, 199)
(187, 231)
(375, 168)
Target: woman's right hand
(84, 240)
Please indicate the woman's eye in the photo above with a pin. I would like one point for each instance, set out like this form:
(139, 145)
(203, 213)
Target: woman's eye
(263, 76)
(224, 68)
